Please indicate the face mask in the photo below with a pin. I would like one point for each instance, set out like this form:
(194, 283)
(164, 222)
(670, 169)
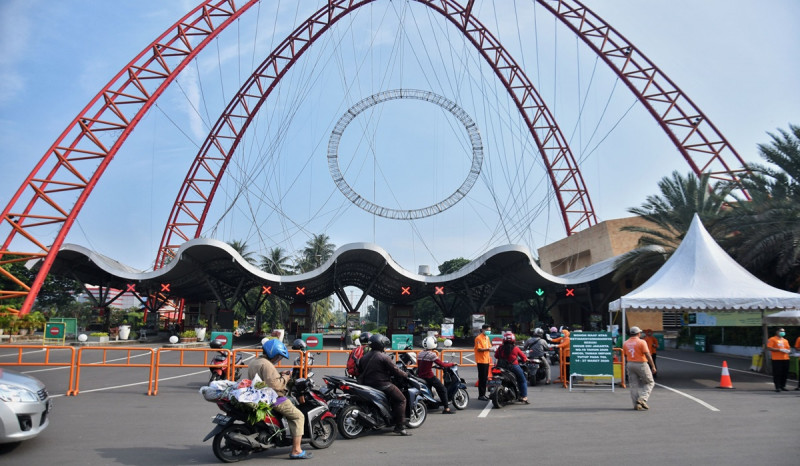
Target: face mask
(781, 334)
(561, 334)
(487, 332)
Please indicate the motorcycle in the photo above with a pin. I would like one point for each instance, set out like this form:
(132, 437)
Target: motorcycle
(219, 368)
(503, 387)
(425, 394)
(534, 370)
(235, 438)
(359, 408)
(456, 387)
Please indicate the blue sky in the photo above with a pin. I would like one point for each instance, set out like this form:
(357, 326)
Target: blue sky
(735, 59)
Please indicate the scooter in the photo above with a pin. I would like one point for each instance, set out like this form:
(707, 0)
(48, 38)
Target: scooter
(236, 438)
(425, 394)
(219, 368)
(503, 387)
(359, 408)
(534, 370)
(456, 387)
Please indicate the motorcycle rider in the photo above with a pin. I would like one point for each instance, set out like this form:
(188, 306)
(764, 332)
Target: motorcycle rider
(511, 354)
(376, 370)
(264, 366)
(425, 361)
(536, 347)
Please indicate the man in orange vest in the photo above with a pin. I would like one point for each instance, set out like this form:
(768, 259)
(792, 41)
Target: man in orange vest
(483, 358)
(640, 369)
(779, 350)
(797, 347)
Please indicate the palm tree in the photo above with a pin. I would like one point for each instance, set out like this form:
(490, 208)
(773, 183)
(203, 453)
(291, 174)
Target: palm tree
(671, 213)
(765, 232)
(276, 261)
(318, 249)
(242, 248)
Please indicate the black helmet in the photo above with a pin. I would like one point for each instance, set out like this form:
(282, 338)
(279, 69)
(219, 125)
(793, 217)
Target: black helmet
(364, 338)
(217, 343)
(298, 344)
(378, 342)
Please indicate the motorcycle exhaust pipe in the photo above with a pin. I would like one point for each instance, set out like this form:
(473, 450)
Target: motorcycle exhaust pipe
(367, 419)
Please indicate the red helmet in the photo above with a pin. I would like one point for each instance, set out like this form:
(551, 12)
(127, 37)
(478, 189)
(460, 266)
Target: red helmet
(508, 337)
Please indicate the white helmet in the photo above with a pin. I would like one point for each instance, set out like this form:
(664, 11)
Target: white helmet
(429, 343)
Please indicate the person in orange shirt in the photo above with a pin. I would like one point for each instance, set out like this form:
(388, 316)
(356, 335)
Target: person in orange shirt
(640, 369)
(562, 343)
(778, 348)
(483, 358)
(797, 347)
(652, 344)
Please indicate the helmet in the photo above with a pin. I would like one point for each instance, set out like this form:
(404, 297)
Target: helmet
(273, 348)
(429, 343)
(538, 332)
(635, 330)
(509, 337)
(217, 343)
(298, 344)
(364, 338)
(553, 330)
(378, 342)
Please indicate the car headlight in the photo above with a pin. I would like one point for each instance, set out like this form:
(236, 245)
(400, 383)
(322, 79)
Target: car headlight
(9, 393)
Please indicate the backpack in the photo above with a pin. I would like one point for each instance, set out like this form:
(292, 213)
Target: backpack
(352, 361)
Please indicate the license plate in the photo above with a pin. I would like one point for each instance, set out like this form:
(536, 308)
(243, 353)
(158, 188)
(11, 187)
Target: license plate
(336, 403)
(221, 419)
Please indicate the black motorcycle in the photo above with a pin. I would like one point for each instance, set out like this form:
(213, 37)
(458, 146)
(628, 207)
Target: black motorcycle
(456, 387)
(534, 370)
(359, 408)
(236, 438)
(503, 387)
(425, 393)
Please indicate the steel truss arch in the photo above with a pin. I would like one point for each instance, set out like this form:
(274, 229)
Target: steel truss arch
(58, 186)
(694, 135)
(191, 206)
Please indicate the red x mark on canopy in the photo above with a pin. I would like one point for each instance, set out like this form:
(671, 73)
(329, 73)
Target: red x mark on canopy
(405, 290)
(131, 288)
(300, 291)
(570, 291)
(164, 287)
(266, 290)
(439, 290)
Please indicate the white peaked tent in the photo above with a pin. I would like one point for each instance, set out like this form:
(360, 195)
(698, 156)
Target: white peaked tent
(700, 275)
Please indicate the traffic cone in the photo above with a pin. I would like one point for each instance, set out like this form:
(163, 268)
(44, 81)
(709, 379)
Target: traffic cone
(725, 380)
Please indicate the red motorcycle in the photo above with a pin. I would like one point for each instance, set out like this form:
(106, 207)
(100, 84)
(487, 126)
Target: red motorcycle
(219, 370)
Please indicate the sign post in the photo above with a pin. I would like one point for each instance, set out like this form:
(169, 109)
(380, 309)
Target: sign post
(591, 357)
(54, 333)
(313, 341)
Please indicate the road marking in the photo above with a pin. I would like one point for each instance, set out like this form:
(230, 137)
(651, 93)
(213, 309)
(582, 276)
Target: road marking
(712, 365)
(486, 410)
(689, 396)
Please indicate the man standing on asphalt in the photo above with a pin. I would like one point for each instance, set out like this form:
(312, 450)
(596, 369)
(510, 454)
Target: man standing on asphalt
(779, 350)
(640, 369)
(483, 358)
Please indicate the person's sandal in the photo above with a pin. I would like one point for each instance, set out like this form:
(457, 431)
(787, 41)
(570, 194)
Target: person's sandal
(303, 455)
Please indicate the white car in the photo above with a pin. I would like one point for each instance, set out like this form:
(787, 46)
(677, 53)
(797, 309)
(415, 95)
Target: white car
(24, 407)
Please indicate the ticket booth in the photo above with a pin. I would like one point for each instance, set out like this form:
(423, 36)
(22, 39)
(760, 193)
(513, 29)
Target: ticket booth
(401, 320)
(299, 319)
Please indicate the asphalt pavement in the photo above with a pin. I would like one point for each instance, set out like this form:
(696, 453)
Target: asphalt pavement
(691, 421)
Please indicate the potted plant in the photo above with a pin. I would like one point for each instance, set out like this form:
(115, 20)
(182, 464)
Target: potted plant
(124, 330)
(188, 336)
(5, 324)
(102, 337)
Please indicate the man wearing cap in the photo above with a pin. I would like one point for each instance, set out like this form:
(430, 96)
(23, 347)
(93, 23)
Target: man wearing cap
(640, 369)
(778, 347)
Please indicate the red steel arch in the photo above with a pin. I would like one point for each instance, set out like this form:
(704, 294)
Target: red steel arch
(191, 207)
(697, 139)
(54, 193)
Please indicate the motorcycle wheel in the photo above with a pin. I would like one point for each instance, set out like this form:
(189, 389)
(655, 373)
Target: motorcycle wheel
(229, 452)
(461, 399)
(502, 396)
(323, 434)
(533, 380)
(418, 414)
(349, 425)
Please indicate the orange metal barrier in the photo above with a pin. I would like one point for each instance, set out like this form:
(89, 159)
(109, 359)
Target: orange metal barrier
(281, 365)
(182, 352)
(106, 363)
(620, 362)
(47, 362)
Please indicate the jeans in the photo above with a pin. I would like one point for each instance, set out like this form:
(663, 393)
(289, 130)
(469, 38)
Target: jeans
(521, 380)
